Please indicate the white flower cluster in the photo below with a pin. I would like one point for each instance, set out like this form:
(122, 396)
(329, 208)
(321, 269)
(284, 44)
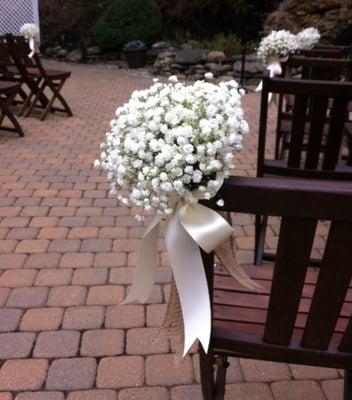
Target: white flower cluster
(173, 140)
(308, 38)
(30, 31)
(278, 45)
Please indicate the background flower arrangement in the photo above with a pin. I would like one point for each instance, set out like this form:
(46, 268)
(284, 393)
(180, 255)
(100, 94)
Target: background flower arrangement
(278, 45)
(308, 38)
(30, 31)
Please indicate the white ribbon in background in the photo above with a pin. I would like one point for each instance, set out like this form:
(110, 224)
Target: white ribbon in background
(275, 69)
(33, 46)
(190, 226)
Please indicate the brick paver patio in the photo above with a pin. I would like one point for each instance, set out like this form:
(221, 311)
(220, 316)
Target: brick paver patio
(67, 253)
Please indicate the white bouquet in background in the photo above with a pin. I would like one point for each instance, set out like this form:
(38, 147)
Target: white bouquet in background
(31, 33)
(274, 49)
(277, 46)
(308, 38)
(173, 140)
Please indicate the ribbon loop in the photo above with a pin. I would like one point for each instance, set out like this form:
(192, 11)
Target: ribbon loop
(206, 227)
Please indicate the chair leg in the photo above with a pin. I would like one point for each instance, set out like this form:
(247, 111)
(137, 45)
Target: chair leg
(8, 113)
(65, 105)
(32, 103)
(221, 369)
(261, 222)
(206, 364)
(56, 95)
(347, 392)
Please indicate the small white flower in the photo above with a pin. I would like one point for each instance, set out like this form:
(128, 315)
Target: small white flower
(173, 79)
(220, 203)
(209, 76)
(197, 176)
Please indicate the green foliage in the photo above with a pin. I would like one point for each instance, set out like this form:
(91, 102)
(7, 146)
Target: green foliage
(127, 20)
(205, 18)
(230, 44)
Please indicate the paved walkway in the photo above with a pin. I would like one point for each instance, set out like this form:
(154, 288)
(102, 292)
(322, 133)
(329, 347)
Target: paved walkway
(67, 253)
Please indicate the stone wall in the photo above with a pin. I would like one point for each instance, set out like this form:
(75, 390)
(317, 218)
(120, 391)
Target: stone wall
(163, 60)
(332, 17)
(188, 63)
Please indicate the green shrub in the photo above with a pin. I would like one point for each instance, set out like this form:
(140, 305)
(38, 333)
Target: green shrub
(229, 44)
(127, 20)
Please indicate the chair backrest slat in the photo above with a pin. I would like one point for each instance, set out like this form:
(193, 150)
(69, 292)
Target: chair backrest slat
(294, 248)
(318, 107)
(334, 278)
(298, 127)
(338, 119)
(19, 50)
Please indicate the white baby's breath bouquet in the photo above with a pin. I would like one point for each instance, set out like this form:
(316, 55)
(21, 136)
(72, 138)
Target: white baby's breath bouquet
(308, 38)
(173, 140)
(277, 46)
(30, 31)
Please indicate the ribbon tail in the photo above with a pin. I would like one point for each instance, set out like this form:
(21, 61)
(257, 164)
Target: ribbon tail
(144, 279)
(259, 88)
(32, 46)
(188, 270)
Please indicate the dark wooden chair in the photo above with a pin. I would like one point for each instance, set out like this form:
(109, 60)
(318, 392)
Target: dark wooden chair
(8, 69)
(307, 68)
(38, 79)
(301, 316)
(8, 91)
(313, 150)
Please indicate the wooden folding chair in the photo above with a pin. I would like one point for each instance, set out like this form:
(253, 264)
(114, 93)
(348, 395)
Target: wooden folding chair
(301, 316)
(8, 91)
(313, 151)
(8, 69)
(307, 68)
(17, 69)
(41, 79)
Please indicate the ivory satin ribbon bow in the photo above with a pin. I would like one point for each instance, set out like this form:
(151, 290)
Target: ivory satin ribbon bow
(190, 226)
